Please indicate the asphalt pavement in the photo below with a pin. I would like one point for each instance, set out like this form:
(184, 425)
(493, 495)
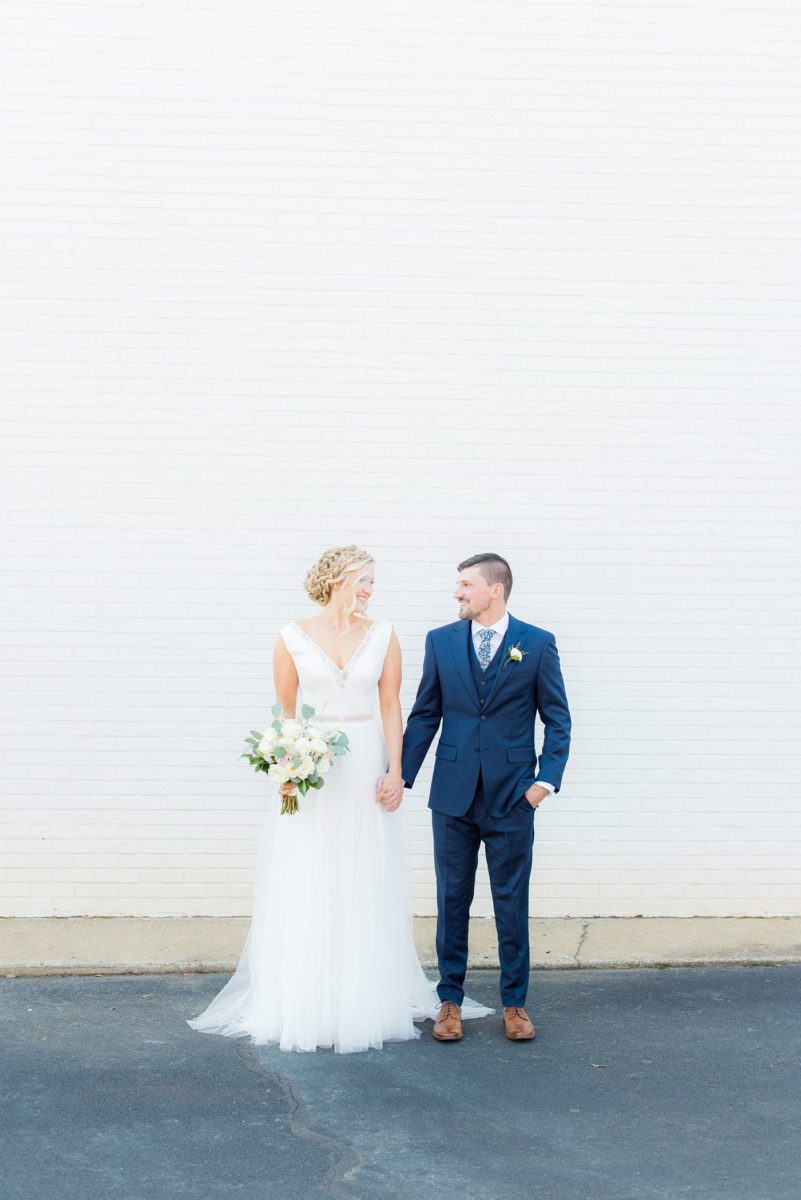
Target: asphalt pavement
(673, 1084)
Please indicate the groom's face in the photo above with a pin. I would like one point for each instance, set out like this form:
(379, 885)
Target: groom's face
(474, 594)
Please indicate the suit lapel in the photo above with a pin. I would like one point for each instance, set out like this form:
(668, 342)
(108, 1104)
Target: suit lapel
(514, 634)
(460, 648)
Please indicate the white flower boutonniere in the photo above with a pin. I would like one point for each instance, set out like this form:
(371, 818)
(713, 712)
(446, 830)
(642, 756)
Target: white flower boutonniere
(514, 654)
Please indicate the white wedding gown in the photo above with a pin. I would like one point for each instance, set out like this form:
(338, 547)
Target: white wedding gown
(329, 958)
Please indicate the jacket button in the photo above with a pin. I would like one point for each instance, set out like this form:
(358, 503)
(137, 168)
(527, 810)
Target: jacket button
(483, 718)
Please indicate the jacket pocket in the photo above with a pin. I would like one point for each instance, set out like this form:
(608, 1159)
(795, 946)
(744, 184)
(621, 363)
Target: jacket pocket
(445, 751)
(521, 754)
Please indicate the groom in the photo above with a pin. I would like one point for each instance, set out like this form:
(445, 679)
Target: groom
(484, 678)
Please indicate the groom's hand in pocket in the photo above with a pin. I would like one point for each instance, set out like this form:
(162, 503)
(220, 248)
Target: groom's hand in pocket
(535, 794)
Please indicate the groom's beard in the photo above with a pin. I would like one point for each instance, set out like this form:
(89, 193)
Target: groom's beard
(468, 614)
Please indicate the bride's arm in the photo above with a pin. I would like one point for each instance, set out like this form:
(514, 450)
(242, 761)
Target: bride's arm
(286, 678)
(389, 684)
(286, 690)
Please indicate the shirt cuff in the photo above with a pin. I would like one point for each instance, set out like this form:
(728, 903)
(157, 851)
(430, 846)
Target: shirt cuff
(542, 783)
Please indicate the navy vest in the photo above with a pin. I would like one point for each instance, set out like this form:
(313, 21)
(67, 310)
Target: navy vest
(484, 679)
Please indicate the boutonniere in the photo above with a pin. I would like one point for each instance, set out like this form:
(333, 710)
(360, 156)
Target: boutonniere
(514, 654)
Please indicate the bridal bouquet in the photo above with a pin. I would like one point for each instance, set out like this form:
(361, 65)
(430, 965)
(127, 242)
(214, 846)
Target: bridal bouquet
(295, 751)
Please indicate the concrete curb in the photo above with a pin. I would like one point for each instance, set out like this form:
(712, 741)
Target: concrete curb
(144, 945)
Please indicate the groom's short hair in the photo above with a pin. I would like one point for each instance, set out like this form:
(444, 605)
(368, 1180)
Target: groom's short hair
(494, 569)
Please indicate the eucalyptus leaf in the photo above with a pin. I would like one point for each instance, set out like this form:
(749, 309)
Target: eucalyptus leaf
(280, 752)
(307, 712)
(276, 710)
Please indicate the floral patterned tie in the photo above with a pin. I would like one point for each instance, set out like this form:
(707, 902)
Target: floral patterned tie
(485, 640)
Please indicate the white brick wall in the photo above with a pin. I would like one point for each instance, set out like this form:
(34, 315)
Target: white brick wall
(435, 278)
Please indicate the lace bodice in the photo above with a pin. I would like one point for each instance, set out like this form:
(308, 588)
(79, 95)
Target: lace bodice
(332, 691)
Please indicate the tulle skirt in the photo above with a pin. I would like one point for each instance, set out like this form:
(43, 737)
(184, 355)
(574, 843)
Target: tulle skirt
(329, 959)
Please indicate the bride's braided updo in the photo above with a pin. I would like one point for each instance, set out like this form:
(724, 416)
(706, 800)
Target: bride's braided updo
(331, 568)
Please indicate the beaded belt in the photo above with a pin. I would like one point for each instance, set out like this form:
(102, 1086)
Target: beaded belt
(344, 717)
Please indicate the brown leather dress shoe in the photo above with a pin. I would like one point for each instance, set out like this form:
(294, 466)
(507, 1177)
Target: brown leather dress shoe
(448, 1025)
(517, 1026)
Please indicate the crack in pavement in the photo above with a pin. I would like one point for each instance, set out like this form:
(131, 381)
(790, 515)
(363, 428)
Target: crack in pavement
(346, 1162)
(581, 940)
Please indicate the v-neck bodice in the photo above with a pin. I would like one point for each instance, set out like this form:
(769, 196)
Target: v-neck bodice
(325, 653)
(335, 691)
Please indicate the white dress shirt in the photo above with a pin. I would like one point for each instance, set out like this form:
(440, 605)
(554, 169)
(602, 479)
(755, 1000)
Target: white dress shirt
(498, 633)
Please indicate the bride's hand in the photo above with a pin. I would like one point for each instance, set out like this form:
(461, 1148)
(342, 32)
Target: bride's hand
(390, 792)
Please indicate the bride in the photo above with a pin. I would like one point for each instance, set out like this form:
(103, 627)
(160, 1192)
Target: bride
(329, 958)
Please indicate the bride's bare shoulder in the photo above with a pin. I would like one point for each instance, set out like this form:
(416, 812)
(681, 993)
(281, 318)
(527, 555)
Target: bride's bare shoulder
(307, 625)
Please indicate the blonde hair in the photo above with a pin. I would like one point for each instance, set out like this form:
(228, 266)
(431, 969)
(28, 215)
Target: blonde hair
(333, 567)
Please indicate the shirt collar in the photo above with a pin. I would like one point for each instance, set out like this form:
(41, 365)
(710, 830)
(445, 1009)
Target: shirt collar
(499, 627)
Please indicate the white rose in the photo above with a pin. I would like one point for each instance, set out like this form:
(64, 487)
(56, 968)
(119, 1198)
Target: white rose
(267, 743)
(303, 745)
(305, 767)
(323, 766)
(318, 746)
(515, 654)
(278, 773)
(291, 729)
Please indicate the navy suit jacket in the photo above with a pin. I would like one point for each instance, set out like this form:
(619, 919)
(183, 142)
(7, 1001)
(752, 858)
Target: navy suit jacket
(497, 739)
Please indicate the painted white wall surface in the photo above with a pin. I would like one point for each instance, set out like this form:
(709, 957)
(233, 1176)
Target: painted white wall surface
(435, 278)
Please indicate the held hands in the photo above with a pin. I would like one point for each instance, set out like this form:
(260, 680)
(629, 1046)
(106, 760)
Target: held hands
(389, 791)
(536, 794)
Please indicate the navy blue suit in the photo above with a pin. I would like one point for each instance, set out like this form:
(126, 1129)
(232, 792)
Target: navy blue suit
(485, 762)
